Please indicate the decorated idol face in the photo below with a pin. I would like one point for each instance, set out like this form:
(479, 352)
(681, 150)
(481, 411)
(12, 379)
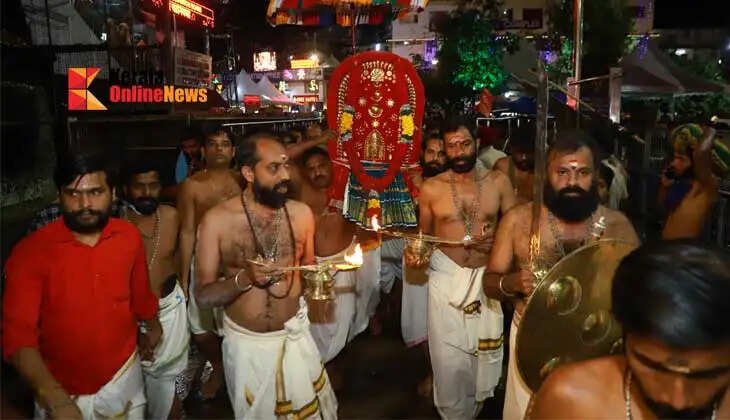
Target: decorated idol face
(376, 107)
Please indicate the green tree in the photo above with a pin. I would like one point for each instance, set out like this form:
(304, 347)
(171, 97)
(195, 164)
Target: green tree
(469, 57)
(606, 24)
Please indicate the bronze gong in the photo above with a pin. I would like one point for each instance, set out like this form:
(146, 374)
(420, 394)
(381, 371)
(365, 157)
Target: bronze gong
(568, 317)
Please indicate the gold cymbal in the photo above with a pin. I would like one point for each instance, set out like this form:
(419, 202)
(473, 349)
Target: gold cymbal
(568, 317)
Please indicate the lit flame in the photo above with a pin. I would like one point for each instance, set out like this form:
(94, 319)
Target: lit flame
(355, 257)
(374, 223)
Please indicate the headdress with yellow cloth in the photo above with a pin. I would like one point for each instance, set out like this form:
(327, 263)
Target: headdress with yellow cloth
(375, 103)
(687, 137)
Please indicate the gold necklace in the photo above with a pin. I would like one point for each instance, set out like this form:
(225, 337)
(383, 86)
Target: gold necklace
(155, 235)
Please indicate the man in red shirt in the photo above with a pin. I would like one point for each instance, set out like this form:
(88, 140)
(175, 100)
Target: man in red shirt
(75, 291)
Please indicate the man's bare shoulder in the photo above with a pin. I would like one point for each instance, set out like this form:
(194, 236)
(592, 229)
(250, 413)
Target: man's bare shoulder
(167, 212)
(494, 176)
(223, 210)
(617, 222)
(582, 388)
(434, 184)
(520, 213)
(299, 208)
(501, 164)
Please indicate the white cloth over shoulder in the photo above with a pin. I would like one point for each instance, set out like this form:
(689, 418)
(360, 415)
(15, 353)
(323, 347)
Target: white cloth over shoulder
(331, 337)
(465, 337)
(122, 397)
(489, 156)
(276, 374)
(171, 355)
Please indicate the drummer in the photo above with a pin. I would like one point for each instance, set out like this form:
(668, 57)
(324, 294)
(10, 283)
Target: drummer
(676, 363)
(569, 213)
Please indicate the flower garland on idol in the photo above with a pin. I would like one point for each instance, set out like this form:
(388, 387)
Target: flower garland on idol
(369, 183)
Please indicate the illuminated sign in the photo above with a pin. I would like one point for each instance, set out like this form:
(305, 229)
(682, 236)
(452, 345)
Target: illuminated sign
(251, 99)
(192, 69)
(264, 61)
(192, 11)
(306, 99)
(307, 63)
(313, 86)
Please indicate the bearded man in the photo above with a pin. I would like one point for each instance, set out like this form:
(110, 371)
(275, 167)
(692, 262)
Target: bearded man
(671, 300)
(688, 188)
(272, 365)
(159, 226)
(414, 303)
(464, 328)
(519, 166)
(75, 292)
(569, 211)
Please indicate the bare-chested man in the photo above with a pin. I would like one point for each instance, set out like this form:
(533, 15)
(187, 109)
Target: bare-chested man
(569, 211)
(159, 226)
(273, 367)
(464, 329)
(688, 188)
(201, 191)
(519, 166)
(332, 238)
(414, 303)
(671, 300)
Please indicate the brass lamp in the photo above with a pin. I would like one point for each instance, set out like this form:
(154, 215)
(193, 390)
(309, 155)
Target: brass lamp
(319, 285)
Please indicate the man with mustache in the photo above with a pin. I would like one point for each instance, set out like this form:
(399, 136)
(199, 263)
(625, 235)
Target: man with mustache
(671, 301)
(75, 291)
(159, 226)
(464, 328)
(333, 237)
(688, 189)
(519, 166)
(201, 191)
(414, 303)
(569, 211)
(272, 365)
(433, 157)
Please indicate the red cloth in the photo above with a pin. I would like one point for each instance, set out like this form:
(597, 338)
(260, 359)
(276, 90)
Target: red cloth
(79, 305)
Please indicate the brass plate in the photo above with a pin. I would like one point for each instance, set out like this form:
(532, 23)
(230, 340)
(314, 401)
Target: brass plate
(568, 317)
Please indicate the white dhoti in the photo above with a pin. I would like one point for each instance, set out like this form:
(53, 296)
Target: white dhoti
(391, 266)
(517, 395)
(276, 374)
(171, 355)
(465, 338)
(368, 292)
(122, 397)
(414, 306)
(331, 337)
(201, 320)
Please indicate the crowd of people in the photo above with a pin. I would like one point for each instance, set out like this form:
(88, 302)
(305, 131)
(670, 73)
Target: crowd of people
(105, 296)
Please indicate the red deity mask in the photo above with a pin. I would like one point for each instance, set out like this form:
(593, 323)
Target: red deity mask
(375, 104)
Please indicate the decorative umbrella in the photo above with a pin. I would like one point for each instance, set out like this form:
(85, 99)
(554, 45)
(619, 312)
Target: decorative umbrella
(342, 12)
